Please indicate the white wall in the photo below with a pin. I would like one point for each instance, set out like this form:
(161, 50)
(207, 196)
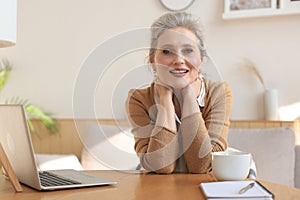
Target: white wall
(55, 37)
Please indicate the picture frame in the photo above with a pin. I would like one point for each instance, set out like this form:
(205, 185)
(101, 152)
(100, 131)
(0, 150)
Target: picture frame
(289, 4)
(244, 6)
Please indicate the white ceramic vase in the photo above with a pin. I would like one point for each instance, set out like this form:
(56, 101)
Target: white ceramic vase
(271, 104)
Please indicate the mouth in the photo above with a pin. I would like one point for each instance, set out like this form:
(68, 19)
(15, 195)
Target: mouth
(179, 72)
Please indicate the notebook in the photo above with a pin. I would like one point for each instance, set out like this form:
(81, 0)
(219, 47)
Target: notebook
(16, 141)
(231, 190)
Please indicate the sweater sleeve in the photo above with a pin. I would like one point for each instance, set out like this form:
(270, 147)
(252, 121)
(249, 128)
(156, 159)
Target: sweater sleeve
(156, 146)
(206, 132)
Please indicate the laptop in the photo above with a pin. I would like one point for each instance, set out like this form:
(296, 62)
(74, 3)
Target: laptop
(16, 141)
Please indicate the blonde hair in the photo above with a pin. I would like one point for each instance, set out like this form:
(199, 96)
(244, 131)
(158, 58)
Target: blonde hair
(172, 20)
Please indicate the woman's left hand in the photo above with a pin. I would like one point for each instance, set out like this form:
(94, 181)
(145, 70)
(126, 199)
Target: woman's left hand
(189, 96)
(192, 89)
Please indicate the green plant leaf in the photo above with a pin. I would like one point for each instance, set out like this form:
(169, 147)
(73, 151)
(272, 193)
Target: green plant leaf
(36, 112)
(5, 68)
(46, 118)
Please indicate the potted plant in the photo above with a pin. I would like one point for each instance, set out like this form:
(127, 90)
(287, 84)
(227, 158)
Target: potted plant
(270, 95)
(30, 109)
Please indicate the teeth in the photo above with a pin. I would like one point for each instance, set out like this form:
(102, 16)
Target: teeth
(179, 71)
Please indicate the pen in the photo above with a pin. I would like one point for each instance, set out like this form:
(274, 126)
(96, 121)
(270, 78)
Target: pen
(244, 189)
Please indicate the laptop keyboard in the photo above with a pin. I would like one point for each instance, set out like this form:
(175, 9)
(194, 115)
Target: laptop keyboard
(48, 179)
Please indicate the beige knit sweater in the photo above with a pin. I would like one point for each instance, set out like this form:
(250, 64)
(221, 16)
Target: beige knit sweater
(189, 149)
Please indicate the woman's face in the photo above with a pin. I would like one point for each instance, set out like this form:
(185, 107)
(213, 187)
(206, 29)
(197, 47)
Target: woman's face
(177, 59)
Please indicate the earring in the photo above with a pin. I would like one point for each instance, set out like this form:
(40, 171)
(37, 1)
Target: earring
(154, 73)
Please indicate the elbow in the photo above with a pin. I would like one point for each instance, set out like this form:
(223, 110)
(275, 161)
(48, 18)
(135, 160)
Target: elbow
(219, 147)
(201, 170)
(159, 166)
(165, 170)
(160, 170)
(202, 165)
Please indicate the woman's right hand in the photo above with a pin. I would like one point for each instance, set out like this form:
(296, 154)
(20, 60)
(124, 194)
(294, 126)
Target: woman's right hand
(162, 89)
(166, 108)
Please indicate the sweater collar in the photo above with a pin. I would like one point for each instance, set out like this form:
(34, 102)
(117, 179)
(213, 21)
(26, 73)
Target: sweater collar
(201, 97)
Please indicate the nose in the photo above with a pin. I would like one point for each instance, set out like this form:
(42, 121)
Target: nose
(178, 60)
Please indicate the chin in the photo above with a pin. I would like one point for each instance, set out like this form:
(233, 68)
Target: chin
(179, 85)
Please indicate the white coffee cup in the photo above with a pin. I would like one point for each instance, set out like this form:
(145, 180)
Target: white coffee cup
(231, 165)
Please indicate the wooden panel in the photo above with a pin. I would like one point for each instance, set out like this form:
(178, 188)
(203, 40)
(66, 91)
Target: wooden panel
(287, 124)
(272, 124)
(297, 131)
(68, 141)
(257, 124)
(260, 124)
(239, 124)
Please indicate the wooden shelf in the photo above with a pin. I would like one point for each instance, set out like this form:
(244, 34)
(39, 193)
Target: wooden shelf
(259, 13)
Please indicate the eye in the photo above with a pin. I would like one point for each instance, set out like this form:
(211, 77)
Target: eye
(166, 51)
(187, 50)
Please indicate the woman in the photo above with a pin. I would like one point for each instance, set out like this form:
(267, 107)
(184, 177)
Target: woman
(181, 117)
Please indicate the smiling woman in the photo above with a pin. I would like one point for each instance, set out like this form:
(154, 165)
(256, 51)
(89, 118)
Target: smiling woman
(181, 117)
(177, 64)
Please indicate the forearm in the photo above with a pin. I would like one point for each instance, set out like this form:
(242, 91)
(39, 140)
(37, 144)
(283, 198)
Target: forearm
(189, 104)
(196, 143)
(166, 116)
(159, 152)
(154, 130)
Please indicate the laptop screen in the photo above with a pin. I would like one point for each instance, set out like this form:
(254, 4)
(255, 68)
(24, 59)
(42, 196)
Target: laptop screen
(16, 141)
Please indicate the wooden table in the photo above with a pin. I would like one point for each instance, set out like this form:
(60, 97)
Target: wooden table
(137, 186)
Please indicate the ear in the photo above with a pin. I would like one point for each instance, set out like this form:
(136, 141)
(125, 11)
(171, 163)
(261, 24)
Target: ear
(153, 67)
(201, 57)
(151, 55)
(151, 60)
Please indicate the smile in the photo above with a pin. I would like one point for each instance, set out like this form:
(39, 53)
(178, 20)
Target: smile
(179, 71)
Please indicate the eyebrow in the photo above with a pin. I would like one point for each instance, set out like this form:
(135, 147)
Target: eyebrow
(172, 46)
